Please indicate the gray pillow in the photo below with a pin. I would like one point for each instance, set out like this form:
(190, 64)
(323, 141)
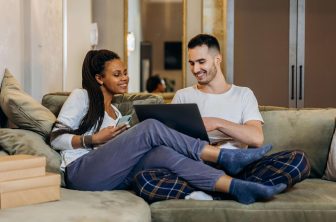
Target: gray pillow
(19, 141)
(21, 109)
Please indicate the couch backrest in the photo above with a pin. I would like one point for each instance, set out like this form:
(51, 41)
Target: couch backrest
(310, 130)
(124, 102)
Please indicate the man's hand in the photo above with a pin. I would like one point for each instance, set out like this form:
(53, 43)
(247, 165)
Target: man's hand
(249, 133)
(107, 134)
(210, 123)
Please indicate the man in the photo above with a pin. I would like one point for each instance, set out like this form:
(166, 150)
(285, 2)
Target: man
(233, 121)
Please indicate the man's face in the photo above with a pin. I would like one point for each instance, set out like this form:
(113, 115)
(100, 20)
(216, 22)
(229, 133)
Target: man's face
(202, 63)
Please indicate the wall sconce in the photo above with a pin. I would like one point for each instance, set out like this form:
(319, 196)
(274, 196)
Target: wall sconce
(130, 42)
(94, 35)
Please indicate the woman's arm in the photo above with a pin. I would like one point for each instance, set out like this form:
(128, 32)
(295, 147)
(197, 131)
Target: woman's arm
(69, 118)
(98, 138)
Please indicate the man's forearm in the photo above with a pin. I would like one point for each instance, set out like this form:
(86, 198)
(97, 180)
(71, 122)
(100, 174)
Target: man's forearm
(249, 133)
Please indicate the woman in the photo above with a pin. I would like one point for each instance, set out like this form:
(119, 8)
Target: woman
(98, 155)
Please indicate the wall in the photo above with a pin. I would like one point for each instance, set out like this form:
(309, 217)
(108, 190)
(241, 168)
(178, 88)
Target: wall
(31, 46)
(109, 15)
(11, 38)
(78, 41)
(134, 21)
(45, 47)
(194, 27)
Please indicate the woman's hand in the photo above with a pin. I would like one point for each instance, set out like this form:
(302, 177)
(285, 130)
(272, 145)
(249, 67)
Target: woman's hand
(107, 134)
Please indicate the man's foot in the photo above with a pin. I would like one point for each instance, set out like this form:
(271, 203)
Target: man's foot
(249, 192)
(234, 161)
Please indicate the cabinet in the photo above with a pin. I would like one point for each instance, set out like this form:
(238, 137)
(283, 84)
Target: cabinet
(284, 51)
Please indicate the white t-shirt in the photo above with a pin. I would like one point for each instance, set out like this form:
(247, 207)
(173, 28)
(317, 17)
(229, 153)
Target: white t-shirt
(237, 105)
(71, 114)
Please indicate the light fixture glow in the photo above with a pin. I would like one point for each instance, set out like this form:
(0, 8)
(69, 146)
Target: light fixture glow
(130, 42)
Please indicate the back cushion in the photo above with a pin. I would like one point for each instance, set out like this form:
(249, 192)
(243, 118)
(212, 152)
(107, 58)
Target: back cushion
(308, 130)
(22, 110)
(124, 102)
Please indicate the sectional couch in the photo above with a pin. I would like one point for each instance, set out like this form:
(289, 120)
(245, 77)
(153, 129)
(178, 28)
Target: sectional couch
(310, 130)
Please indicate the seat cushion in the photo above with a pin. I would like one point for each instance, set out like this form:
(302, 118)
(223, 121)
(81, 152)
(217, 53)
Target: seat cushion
(81, 206)
(311, 200)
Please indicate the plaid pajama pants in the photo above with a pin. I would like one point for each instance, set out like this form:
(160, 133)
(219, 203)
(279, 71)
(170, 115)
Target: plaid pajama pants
(289, 167)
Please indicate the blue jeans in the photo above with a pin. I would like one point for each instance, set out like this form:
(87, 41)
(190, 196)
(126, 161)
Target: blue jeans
(114, 164)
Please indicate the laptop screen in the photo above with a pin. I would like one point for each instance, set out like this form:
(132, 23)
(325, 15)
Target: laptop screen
(184, 118)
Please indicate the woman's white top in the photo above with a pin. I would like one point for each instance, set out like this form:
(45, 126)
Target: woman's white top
(70, 116)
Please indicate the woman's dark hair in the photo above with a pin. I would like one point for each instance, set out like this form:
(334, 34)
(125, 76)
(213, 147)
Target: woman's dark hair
(94, 63)
(204, 39)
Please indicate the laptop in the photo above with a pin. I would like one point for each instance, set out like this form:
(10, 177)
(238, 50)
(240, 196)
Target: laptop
(185, 118)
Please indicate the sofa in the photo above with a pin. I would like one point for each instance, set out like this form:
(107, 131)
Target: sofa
(310, 130)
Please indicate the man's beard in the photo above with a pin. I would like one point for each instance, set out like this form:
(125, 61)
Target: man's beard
(209, 76)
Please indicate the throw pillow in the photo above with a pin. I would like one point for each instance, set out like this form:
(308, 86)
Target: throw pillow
(330, 171)
(3, 119)
(18, 141)
(22, 109)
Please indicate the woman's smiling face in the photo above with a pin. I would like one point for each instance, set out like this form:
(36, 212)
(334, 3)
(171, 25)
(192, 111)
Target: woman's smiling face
(115, 77)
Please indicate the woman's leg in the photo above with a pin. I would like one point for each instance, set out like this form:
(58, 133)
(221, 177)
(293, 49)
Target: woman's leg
(288, 167)
(106, 167)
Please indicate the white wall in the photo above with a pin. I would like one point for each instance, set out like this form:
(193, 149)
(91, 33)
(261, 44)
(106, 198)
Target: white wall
(45, 47)
(109, 15)
(31, 44)
(11, 38)
(194, 27)
(78, 41)
(134, 25)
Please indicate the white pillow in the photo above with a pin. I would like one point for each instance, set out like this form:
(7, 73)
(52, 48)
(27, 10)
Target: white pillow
(330, 171)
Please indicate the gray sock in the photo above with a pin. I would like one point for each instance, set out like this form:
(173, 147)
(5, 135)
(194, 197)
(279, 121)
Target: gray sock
(234, 161)
(247, 192)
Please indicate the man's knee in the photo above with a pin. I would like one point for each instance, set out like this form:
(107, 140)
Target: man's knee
(160, 184)
(303, 163)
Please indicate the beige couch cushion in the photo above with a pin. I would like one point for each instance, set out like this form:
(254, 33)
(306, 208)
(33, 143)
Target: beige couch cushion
(308, 130)
(22, 109)
(309, 201)
(81, 206)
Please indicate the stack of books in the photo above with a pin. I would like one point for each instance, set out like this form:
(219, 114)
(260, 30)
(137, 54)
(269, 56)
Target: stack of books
(23, 181)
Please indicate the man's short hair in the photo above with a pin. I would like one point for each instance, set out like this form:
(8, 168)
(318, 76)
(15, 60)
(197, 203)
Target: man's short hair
(152, 83)
(204, 39)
